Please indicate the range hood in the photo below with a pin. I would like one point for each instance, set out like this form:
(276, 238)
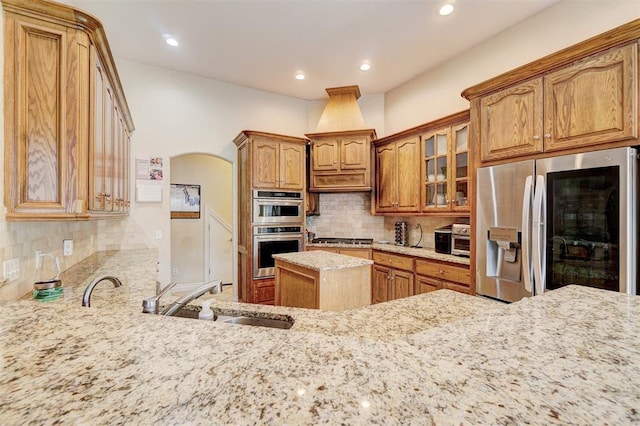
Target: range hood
(342, 112)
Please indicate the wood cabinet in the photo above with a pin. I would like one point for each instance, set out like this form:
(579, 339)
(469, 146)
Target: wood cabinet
(398, 176)
(433, 275)
(48, 108)
(392, 277)
(333, 289)
(265, 161)
(363, 253)
(446, 169)
(591, 102)
(109, 160)
(425, 169)
(341, 161)
(278, 164)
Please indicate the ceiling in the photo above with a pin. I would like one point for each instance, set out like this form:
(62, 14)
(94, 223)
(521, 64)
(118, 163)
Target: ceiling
(262, 43)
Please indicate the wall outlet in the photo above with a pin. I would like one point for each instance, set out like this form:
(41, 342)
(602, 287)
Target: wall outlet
(158, 234)
(175, 271)
(11, 269)
(67, 247)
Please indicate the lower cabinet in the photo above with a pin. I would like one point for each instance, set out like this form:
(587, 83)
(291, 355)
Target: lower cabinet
(363, 253)
(435, 275)
(392, 277)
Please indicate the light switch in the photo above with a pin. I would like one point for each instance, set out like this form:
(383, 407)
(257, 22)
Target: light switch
(67, 247)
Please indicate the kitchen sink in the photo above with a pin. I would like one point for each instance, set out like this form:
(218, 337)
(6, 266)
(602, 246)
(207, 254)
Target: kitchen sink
(260, 322)
(282, 322)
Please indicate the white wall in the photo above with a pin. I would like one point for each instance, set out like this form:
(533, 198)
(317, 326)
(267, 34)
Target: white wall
(176, 113)
(436, 93)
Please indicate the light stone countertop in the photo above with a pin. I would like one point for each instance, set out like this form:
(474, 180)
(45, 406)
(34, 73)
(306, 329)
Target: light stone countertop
(426, 253)
(319, 260)
(570, 356)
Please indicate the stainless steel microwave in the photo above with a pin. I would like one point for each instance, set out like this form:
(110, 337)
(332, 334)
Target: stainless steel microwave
(271, 207)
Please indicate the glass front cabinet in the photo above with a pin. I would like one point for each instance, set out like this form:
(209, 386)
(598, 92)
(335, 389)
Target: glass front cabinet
(446, 174)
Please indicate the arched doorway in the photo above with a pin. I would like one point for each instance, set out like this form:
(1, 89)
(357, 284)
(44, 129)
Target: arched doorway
(202, 248)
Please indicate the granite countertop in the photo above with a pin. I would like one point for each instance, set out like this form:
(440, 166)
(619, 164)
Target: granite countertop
(322, 260)
(570, 356)
(426, 253)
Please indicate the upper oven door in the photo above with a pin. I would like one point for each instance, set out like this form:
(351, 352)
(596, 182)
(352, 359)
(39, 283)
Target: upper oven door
(277, 210)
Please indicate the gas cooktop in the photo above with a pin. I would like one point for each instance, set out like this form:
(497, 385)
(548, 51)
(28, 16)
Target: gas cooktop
(354, 241)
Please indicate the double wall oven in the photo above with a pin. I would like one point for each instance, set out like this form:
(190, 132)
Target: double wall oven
(278, 227)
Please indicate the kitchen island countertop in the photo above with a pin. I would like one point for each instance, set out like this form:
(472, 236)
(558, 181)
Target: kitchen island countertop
(322, 260)
(568, 356)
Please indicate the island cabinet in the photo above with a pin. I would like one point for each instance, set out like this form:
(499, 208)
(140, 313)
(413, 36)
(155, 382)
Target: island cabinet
(397, 176)
(434, 275)
(576, 100)
(363, 253)
(50, 107)
(341, 161)
(392, 276)
(322, 280)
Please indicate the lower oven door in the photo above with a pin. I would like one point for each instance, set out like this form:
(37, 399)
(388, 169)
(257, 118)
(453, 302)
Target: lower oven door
(266, 245)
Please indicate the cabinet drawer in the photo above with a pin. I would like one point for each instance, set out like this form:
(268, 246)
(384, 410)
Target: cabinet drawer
(393, 260)
(445, 271)
(457, 287)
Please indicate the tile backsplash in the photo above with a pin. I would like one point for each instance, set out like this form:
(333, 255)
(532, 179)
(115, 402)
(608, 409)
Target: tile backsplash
(348, 215)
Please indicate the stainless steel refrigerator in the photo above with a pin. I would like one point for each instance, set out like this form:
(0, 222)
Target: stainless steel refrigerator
(543, 224)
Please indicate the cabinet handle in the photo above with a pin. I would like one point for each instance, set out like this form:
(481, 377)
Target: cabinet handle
(547, 135)
(536, 137)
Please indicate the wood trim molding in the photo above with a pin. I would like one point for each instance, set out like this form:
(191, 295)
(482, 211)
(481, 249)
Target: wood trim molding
(247, 134)
(449, 120)
(618, 36)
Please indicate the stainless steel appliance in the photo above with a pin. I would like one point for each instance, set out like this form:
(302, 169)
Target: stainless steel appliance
(277, 207)
(442, 237)
(338, 240)
(273, 239)
(544, 224)
(460, 239)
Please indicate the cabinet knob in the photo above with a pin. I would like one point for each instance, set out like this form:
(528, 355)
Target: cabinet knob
(441, 272)
(107, 195)
(547, 135)
(536, 137)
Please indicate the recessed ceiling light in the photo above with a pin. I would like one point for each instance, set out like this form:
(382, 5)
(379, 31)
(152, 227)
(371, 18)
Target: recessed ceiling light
(299, 75)
(446, 9)
(365, 66)
(170, 40)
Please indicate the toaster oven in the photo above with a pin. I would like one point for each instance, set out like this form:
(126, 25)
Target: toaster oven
(461, 239)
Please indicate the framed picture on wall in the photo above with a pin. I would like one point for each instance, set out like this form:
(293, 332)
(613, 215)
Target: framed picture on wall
(185, 201)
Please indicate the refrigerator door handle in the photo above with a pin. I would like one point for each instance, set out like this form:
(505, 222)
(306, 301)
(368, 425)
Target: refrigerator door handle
(526, 233)
(538, 246)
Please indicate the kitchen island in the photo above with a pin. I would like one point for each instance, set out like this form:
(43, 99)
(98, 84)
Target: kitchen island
(322, 280)
(568, 356)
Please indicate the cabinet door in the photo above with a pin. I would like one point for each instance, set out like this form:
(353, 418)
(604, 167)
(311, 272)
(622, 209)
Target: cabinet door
(96, 146)
(408, 175)
(292, 162)
(380, 291)
(325, 155)
(426, 285)
(265, 164)
(386, 185)
(38, 115)
(109, 145)
(592, 102)
(456, 287)
(401, 284)
(511, 122)
(354, 153)
(460, 168)
(436, 147)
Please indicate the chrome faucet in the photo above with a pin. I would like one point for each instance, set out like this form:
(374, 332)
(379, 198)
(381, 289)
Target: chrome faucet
(182, 301)
(150, 305)
(86, 297)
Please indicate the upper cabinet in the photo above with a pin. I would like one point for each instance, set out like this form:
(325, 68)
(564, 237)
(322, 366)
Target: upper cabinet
(278, 164)
(341, 161)
(424, 170)
(579, 99)
(398, 176)
(50, 102)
